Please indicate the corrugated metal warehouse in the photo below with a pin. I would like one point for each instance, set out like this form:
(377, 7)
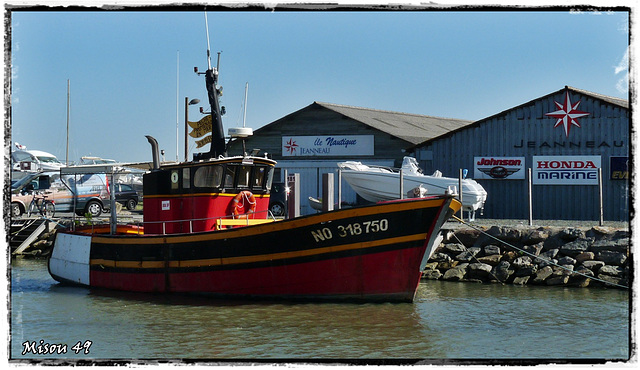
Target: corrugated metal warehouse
(564, 137)
(312, 140)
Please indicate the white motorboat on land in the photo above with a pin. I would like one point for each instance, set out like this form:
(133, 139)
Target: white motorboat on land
(95, 160)
(317, 204)
(377, 183)
(33, 160)
(28, 162)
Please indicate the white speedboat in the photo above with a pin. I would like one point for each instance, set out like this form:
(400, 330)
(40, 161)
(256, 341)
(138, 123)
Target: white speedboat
(376, 183)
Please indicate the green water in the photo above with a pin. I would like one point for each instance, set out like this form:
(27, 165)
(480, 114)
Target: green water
(448, 321)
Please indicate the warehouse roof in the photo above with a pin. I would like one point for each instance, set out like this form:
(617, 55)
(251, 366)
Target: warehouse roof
(413, 128)
(608, 99)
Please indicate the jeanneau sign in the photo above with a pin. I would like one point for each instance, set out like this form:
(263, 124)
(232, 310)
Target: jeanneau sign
(329, 145)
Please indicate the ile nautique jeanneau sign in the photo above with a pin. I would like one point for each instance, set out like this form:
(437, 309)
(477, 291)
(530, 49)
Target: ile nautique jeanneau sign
(329, 145)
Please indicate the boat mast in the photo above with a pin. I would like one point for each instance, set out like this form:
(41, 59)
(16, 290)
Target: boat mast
(218, 146)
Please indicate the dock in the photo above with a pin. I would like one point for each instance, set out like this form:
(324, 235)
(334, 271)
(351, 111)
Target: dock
(26, 231)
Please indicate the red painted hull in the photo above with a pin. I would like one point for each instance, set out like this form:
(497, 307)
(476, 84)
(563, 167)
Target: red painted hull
(372, 253)
(380, 276)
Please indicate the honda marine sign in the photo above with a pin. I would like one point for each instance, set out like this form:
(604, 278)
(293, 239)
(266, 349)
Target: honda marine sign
(499, 168)
(566, 170)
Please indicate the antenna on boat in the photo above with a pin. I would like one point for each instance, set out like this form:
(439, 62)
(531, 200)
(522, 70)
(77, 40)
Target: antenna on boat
(218, 146)
(206, 25)
(242, 132)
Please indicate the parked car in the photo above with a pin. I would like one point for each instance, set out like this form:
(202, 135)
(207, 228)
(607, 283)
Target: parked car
(87, 191)
(20, 190)
(278, 199)
(127, 196)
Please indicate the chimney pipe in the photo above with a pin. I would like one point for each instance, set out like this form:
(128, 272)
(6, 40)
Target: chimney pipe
(154, 152)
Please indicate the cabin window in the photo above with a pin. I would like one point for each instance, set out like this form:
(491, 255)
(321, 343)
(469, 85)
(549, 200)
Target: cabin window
(258, 177)
(229, 175)
(243, 176)
(269, 178)
(186, 178)
(174, 180)
(208, 176)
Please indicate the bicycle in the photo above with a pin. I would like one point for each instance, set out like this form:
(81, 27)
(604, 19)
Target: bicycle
(41, 205)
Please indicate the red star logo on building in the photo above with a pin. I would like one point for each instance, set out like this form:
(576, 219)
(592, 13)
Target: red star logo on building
(291, 146)
(567, 114)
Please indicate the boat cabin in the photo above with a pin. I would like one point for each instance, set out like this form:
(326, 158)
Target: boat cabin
(197, 196)
(213, 191)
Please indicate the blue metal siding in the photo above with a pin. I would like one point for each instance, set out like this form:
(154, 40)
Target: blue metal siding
(525, 131)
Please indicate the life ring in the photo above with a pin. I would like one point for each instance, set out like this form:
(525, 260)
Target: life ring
(238, 204)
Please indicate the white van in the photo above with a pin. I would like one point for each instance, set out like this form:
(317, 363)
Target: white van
(91, 192)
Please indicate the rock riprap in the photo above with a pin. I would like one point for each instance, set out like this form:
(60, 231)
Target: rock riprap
(539, 256)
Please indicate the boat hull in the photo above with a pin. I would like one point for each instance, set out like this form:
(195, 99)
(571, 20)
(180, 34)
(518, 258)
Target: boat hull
(379, 186)
(371, 253)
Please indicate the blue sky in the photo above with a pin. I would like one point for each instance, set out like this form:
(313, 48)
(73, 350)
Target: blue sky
(131, 71)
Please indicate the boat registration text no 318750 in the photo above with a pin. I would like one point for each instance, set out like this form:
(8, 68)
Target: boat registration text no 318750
(352, 229)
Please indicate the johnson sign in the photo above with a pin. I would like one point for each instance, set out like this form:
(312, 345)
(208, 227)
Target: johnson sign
(499, 168)
(566, 170)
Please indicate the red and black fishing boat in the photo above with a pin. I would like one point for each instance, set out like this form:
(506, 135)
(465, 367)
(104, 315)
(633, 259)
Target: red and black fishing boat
(206, 230)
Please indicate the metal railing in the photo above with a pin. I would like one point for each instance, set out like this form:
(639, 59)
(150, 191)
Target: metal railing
(219, 223)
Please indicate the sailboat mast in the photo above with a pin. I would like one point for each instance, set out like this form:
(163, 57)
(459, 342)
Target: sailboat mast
(177, 101)
(66, 160)
(244, 116)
